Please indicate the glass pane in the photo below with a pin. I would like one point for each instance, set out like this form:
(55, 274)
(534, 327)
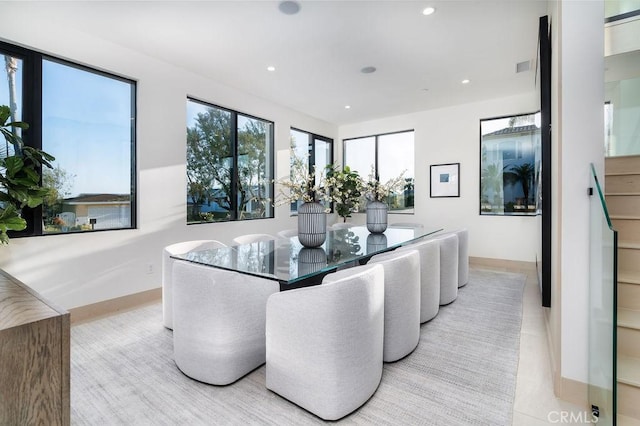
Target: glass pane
(360, 155)
(304, 143)
(88, 127)
(395, 156)
(323, 156)
(509, 160)
(11, 95)
(602, 307)
(622, 115)
(619, 7)
(209, 163)
(255, 142)
(300, 147)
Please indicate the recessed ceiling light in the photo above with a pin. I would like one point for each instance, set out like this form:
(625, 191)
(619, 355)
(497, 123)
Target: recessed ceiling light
(466, 81)
(347, 107)
(428, 11)
(368, 70)
(289, 7)
(271, 68)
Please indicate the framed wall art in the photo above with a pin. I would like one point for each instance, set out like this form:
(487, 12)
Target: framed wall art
(445, 180)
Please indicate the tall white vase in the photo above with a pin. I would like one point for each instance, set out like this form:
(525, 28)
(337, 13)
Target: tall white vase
(312, 224)
(377, 217)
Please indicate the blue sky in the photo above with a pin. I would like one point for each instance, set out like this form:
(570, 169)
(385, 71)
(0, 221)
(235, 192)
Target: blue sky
(86, 126)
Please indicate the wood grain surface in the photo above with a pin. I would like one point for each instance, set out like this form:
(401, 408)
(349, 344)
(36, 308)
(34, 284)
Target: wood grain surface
(34, 358)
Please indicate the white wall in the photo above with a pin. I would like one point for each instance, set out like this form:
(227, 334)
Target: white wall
(75, 270)
(452, 135)
(578, 134)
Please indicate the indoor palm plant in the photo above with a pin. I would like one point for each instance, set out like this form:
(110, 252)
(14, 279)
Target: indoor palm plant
(19, 175)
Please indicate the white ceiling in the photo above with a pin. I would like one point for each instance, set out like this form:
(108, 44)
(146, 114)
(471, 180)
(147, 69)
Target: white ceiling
(318, 53)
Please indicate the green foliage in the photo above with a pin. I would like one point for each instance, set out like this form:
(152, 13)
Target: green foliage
(346, 189)
(210, 165)
(523, 174)
(19, 177)
(58, 183)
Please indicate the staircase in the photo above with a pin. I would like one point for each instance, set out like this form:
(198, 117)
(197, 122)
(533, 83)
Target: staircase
(622, 193)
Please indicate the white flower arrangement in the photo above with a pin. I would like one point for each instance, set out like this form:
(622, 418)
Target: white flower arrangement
(301, 185)
(342, 187)
(375, 191)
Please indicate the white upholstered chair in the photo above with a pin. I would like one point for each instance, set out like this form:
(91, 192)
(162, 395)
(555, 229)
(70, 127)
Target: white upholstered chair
(342, 225)
(406, 225)
(219, 322)
(325, 343)
(288, 233)
(429, 276)
(463, 256)
(401, 302)
(448, 267)
(252, 238)
(167, 270)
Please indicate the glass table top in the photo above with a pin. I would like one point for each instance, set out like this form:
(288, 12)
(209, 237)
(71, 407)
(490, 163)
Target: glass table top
(286, 260)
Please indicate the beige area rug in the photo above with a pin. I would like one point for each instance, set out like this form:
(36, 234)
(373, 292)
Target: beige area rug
(463, 371)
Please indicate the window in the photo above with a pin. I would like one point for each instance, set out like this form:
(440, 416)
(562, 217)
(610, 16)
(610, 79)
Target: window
(229, 165)
(86, 119)
(388, 156)
(318, 150)
(509, 165)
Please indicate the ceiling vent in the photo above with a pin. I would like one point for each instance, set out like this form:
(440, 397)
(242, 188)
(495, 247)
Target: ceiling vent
(523, 66)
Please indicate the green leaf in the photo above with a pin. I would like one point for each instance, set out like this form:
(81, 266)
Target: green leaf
(5, 112)
(10, 219)
(13, 164)
(19, 124)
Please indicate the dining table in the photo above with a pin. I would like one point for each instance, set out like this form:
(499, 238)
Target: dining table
(287, 261)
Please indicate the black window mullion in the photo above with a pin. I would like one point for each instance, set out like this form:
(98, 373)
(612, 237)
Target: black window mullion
(234, 166)
(377, 174)
(134, 144)
(31, 114)
(311, 144)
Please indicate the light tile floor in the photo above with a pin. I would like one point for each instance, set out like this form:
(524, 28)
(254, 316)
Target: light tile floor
(535, 403)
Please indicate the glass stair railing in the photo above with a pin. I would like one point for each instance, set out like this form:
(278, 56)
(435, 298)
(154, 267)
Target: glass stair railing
(602, 307)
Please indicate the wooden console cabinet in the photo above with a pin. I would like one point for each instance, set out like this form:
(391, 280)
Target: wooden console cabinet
(34, 357)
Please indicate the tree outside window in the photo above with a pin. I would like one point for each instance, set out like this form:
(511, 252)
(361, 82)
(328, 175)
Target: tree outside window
(509, 165)
(229, 165)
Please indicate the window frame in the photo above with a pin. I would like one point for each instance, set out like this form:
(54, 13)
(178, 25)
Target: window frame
(504, 213)
(234, 148)
(32, 114)
(311, 149)
(376, 138)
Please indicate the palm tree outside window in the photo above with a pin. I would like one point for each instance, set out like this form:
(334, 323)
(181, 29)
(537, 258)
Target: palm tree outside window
(509, 164)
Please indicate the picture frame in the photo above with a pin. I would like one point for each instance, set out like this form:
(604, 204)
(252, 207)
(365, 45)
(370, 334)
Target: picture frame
(445, 180)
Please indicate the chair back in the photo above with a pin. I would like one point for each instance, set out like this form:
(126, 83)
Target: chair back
(401, 302)
(167, 270)
(429, 276)
(252, 238)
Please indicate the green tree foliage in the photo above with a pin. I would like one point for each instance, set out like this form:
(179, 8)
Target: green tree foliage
(252, 168)
(19, 176)
(524, 174)
(492, 180)
(58, 183)
(210, 164)
(346, 189)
